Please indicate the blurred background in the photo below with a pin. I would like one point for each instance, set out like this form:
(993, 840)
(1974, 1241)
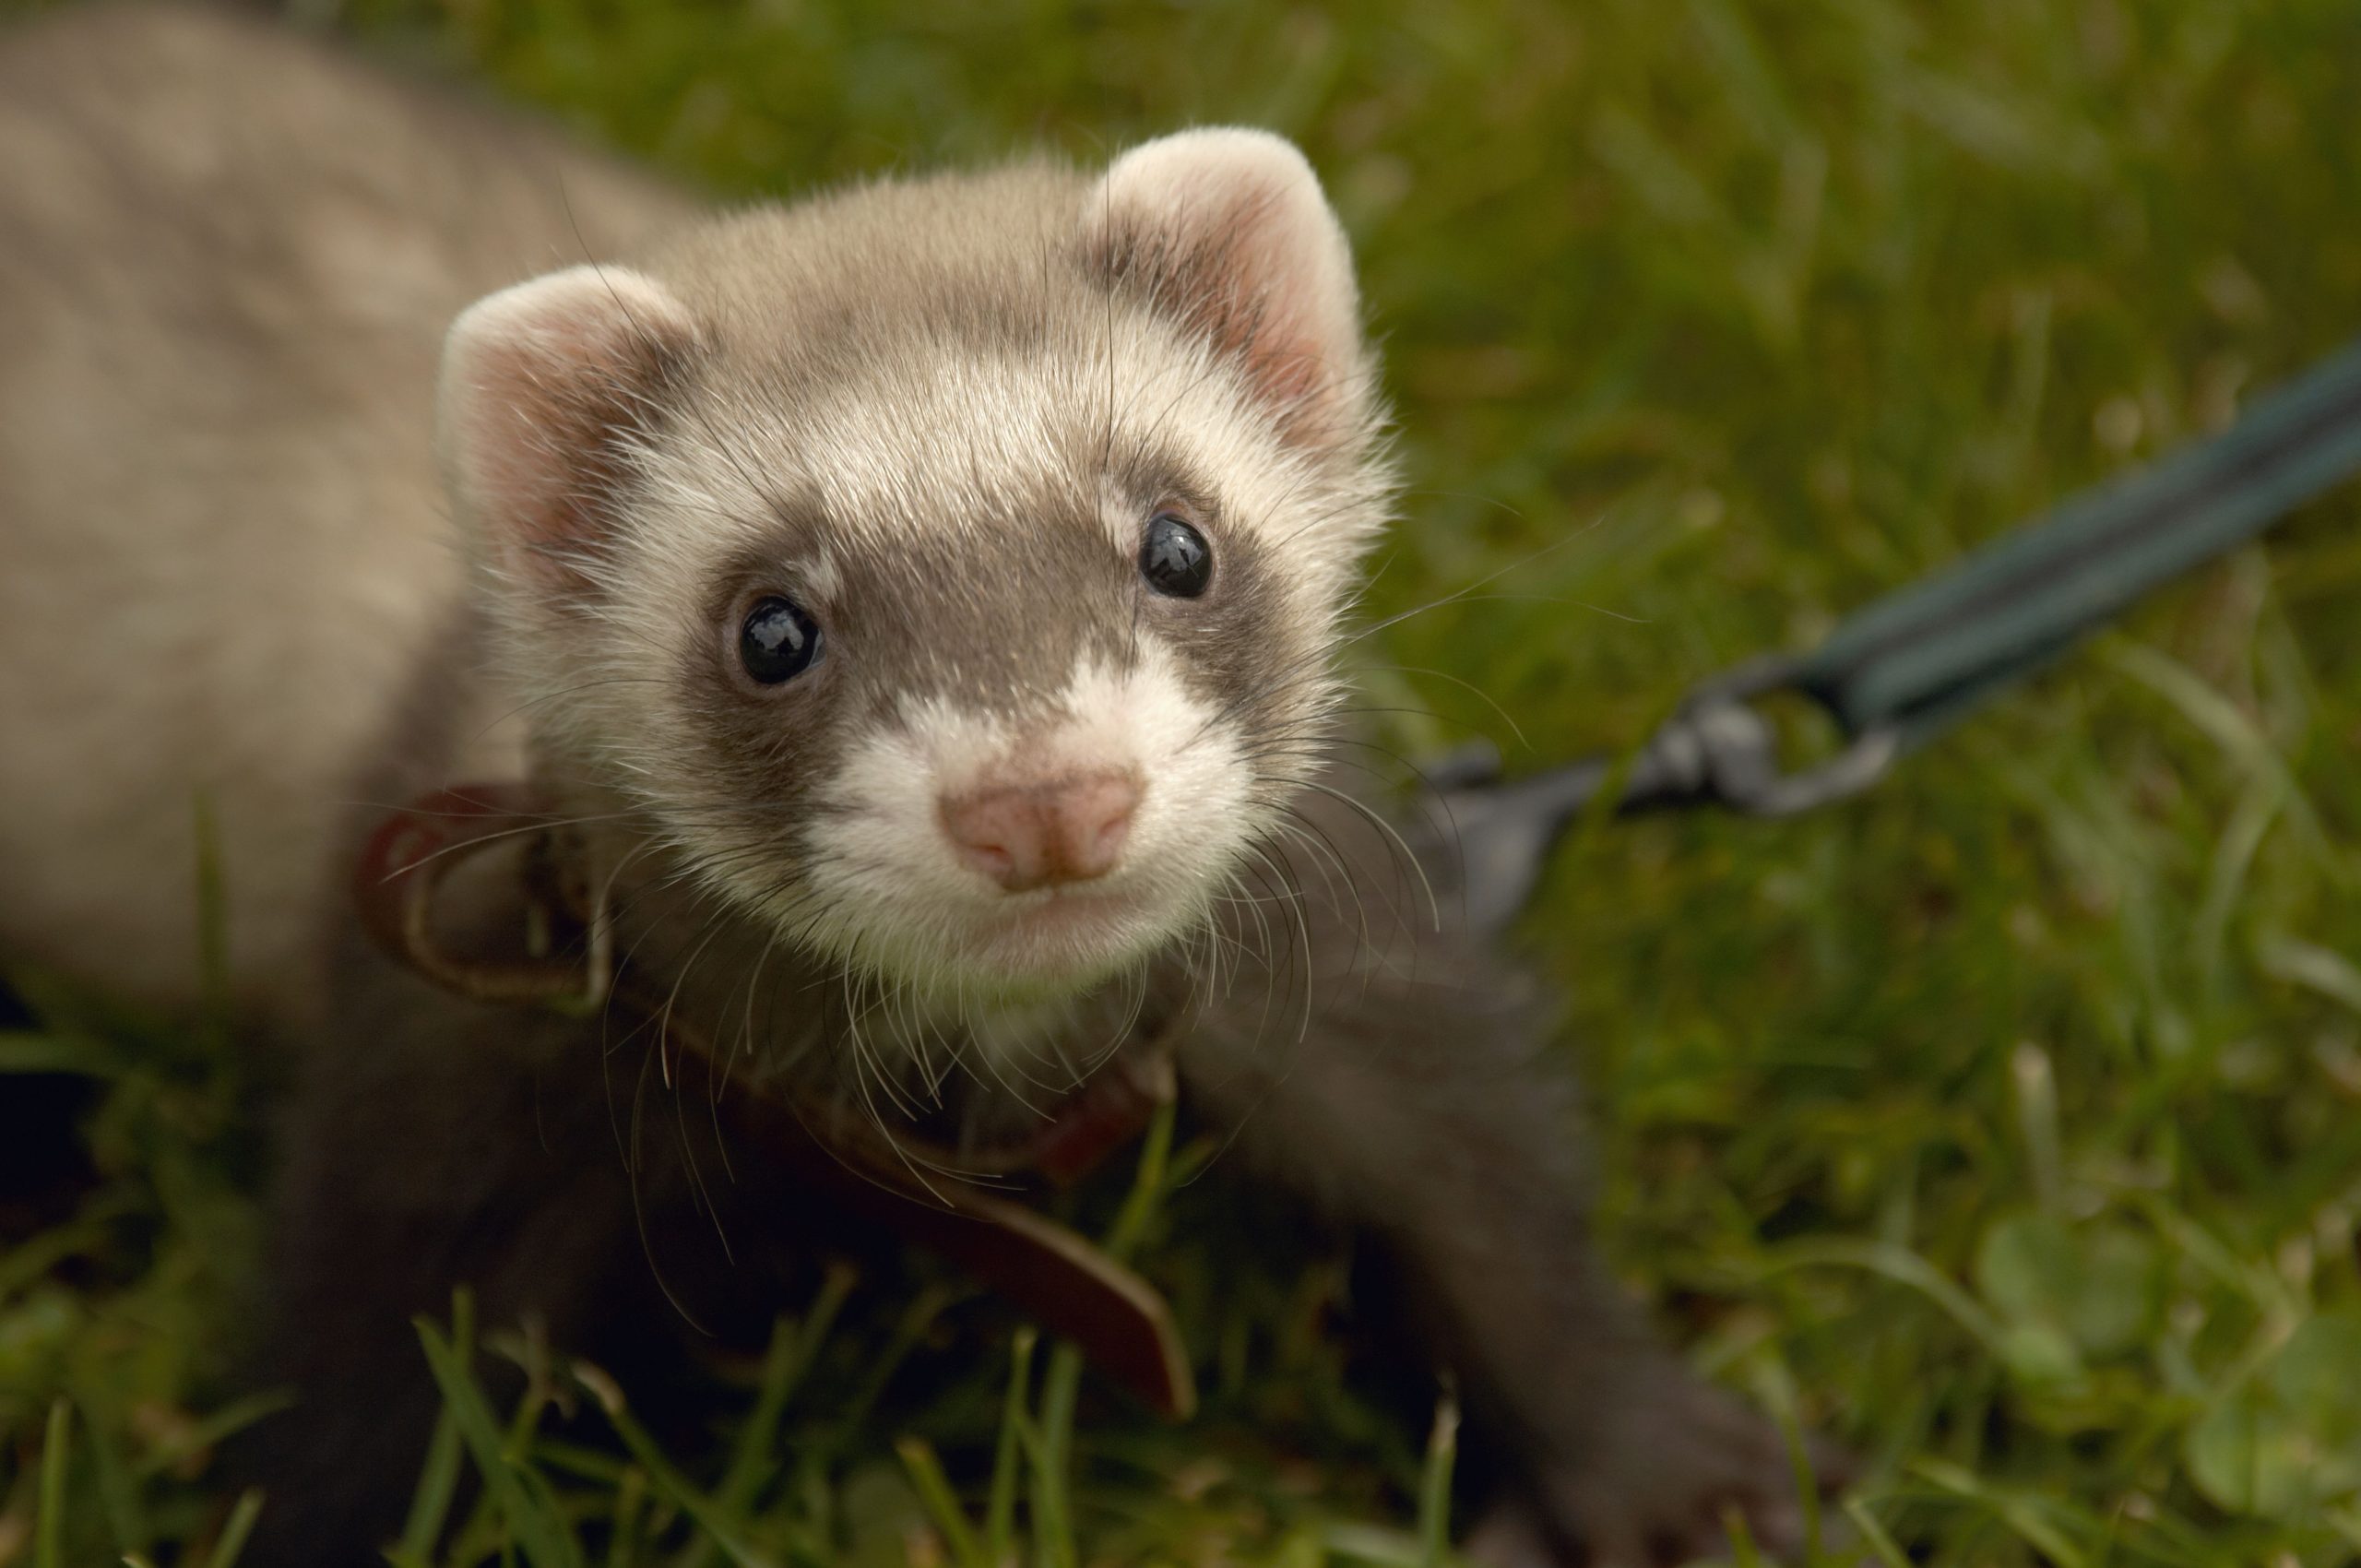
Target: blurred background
(2005, 1123)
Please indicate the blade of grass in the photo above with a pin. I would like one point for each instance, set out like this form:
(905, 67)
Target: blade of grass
(631, 1495)
(793, 1348)
(999, 1511)
(1881, 1543)
(941, 1504)
(1052, 1446)
(2035, 1081)
(1049, 1443)
(1776, 1388)
(1899, 1265)
(1435, 1486)
(536, 1528)
(664, 1476)
(22, 1051)
(438, 1485)
(126, 1515)
(438, 1480)
(2021, 1514)
(1743, 1554)
(590, 1464)
(234, 1532)
(1140, 1204)
(50, 1533)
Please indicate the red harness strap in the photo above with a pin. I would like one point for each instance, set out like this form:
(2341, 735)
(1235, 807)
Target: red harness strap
(1049, 1271)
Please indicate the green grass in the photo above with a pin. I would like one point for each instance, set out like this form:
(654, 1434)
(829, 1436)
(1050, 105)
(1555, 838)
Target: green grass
(2006, 1124)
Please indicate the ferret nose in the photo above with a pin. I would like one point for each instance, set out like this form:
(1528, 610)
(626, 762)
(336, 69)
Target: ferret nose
(1025, 836)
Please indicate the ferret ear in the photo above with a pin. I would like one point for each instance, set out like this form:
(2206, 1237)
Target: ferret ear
(1227, 229)
(543, 386)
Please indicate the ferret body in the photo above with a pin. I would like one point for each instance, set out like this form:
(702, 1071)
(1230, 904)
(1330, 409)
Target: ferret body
(921, 603)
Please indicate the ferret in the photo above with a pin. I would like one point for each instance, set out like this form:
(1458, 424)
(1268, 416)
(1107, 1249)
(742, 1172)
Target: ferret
(922, 602)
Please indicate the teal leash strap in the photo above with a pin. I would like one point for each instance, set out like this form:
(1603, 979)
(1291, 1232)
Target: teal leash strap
(1900, 671)
(1917, 660)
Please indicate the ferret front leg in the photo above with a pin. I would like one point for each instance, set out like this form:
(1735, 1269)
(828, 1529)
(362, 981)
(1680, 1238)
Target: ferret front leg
(1424, 1106)
(433, 1145)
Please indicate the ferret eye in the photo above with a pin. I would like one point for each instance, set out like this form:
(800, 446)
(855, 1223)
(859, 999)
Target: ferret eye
(1175, 558)
(778, 641)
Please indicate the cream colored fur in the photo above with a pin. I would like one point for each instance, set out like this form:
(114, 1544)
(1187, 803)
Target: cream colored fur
(227, 259)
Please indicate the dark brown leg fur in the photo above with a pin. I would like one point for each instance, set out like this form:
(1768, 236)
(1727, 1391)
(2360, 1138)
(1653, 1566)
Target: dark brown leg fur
(1420, 1098)
(441, 1142)
(423, 1151)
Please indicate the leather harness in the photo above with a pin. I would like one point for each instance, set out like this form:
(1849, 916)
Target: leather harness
(1047, 1269)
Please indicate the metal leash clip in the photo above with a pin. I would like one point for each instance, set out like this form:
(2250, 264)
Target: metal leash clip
(1718, 749)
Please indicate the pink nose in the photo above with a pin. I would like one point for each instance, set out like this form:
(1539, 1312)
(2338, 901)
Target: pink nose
(1025, 836)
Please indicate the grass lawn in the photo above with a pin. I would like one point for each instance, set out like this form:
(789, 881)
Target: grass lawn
(2005, 1125)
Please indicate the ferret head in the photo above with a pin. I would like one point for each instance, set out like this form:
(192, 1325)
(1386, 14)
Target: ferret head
(948, 569)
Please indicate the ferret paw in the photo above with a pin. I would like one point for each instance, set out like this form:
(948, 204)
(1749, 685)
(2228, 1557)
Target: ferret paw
(1656, 1488)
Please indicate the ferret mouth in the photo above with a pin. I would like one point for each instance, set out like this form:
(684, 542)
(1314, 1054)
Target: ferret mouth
(1063, 937)
(1032, 946)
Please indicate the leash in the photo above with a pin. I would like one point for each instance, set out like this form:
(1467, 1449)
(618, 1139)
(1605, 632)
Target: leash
(1907, 667)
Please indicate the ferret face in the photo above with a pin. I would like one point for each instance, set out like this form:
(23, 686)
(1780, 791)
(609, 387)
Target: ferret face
(948, 569)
